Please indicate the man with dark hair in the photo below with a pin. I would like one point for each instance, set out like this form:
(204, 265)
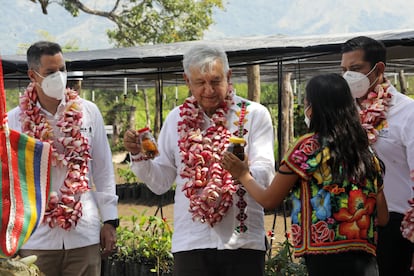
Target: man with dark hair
(72, 237)
(387, 116)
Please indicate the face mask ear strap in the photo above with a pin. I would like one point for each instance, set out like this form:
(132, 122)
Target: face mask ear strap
(370, 71)
(37, 73)
(376, 79)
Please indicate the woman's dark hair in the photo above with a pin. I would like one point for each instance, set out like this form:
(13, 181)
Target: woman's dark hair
(336, 121)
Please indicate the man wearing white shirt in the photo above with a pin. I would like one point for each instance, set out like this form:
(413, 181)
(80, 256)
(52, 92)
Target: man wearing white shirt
(218, 227)
(387, 116)
(81, 214)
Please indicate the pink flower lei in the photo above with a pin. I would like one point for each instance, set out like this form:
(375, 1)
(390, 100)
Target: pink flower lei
(209, 186)
(374, 110)
(64, 210)
(407, 224)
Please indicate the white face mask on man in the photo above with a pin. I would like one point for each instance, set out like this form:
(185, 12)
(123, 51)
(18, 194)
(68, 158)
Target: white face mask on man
(358, 82)
(54, 85)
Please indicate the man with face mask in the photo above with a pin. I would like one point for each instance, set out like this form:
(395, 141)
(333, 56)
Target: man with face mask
(81, 215)
(387, 116)
(218, 227)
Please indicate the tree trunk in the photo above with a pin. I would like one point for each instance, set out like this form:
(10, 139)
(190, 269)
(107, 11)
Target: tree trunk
(253, 83)
(287, 113)
(403, 82)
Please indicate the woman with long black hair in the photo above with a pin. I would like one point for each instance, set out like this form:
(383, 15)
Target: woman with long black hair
(335, 183)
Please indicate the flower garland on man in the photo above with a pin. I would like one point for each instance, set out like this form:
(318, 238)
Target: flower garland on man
(374, 110)
(81, 214)
(64, 210)
(209, 187)
(207, 213)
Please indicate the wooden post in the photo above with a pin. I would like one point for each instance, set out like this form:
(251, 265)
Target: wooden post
(253, 83)
(158, 109)
(147, 111)
(131, 114)
(287, 113)
(403, 82)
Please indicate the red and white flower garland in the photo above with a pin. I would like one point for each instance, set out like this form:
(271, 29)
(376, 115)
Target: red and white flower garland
(407, 224)
(210, 188)
(64, 210)
(373, 118)
(374, 110)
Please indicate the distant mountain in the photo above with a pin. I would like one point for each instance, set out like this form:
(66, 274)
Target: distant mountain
(24, 20)
(21, 20)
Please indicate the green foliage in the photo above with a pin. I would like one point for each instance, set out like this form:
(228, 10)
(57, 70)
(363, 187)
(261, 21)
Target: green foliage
(282, 263)
(145, 240)
(127, 175)
(162, 21)
(12, 98)
(151, 21)
(70, 7)
(299, 118)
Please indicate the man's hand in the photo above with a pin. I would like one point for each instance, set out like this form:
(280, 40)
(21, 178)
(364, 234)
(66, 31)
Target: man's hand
(108, 240)
(131, 141)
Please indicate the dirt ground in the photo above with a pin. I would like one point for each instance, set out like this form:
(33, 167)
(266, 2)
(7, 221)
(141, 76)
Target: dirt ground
(128, 209)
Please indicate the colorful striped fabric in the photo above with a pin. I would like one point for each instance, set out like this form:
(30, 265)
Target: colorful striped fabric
(25, 178)
(25, 182)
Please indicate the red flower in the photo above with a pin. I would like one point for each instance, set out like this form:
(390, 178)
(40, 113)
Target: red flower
(356, 219)
(296, 234)
(321, 232)
(309, 146)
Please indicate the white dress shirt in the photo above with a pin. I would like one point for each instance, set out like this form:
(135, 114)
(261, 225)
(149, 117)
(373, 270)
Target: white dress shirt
(99, 204)
(160, 174)
(395, 147)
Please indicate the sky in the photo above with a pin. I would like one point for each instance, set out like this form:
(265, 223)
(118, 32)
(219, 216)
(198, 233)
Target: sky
(241, 18)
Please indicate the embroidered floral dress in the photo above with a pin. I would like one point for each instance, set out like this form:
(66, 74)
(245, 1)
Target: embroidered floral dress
(329, 217)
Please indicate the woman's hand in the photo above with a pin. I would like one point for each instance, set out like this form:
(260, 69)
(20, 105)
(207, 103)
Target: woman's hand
(234, 165)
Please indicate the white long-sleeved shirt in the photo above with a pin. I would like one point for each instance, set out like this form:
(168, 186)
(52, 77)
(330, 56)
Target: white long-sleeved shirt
(395, 147)
(159, 175)
(99, 204)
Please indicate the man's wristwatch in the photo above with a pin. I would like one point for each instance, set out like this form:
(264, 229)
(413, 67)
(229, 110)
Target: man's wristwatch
(113, 222)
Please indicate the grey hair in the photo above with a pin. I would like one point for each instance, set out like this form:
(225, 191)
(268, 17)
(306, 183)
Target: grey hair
(203, 56)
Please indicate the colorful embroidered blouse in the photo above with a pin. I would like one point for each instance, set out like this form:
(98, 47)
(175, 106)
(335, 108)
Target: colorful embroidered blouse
(329, 217)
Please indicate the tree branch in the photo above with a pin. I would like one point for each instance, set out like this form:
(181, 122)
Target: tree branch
(110, 15)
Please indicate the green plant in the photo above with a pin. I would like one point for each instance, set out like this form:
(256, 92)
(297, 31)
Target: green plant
(282, 262)
(145, 240)
(155, 244)
(127, 175)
